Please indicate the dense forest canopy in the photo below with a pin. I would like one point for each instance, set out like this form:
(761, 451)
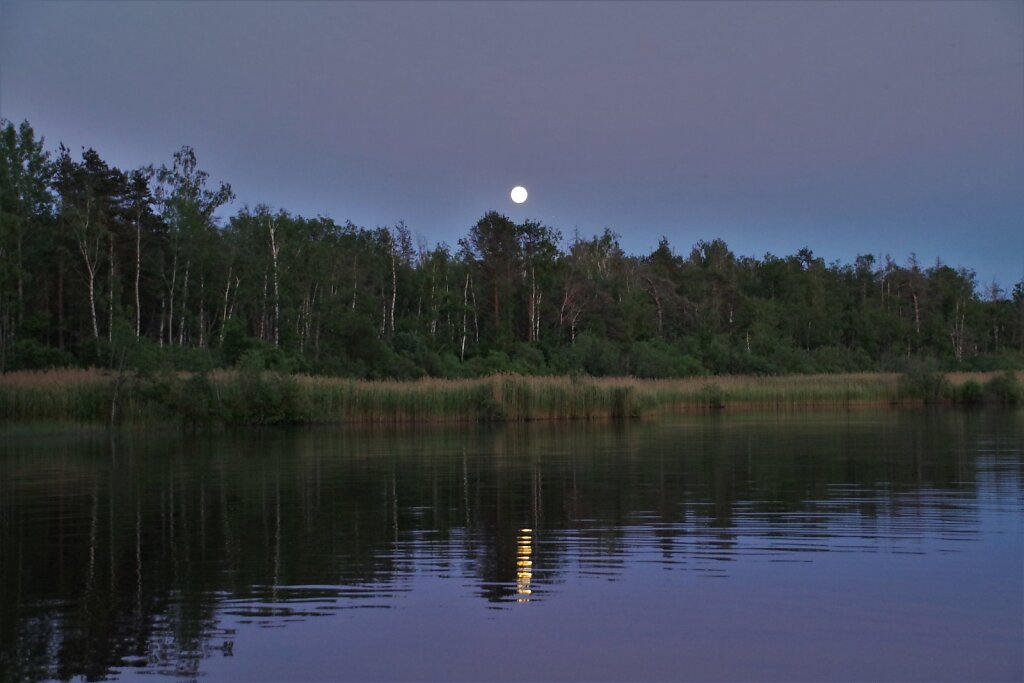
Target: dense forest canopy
(99, 265)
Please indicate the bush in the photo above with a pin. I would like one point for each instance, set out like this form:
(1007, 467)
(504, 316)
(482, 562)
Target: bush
(656, 359)
(622, 403)
(712, 396)
(723, 358)
(412, 349)
(1001, 360)
(264, 356)
(448, 365)
(492, 363)
(265, 398)
(198, 401)
(970, 392)
(332, 366)
(528, 359)
(28, 354)
(834, 359)
(1004, 388)
(489, 408)
(393, 365)
(922, 380)
(236, 342)
(590, 354)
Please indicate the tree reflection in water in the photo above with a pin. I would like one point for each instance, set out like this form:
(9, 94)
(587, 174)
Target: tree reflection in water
(132, 550)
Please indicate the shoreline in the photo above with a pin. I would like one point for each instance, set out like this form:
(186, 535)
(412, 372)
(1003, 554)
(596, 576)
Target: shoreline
(236, 398)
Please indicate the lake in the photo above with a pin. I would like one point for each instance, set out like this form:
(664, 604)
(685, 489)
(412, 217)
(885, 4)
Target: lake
(846, 546)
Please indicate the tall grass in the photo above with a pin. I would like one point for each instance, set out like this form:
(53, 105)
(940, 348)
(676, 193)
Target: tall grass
(496, 398)
(229, 397)
(75, 395)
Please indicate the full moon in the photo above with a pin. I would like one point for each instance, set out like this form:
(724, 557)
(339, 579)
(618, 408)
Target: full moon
(519, 194)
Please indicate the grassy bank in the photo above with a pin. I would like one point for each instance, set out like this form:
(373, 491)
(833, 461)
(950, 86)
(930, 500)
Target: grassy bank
(268, 398)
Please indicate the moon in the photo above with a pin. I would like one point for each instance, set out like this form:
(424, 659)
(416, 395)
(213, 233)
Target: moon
(519, 194)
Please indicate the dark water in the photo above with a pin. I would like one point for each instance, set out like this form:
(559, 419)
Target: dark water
(824, 546)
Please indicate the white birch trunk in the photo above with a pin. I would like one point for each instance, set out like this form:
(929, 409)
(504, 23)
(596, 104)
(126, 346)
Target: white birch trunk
(202, 311)
(110, 282)
(227, 293)
(465, 307)
(274, 251)
(394, 287)
(170, 303)
(138, 272)
(90, 257)
(184, 304)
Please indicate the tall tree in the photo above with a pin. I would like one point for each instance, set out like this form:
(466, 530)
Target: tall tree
(90, 197)
(187, 207)
(26, 203)
(139, 209)
(1018, 310)
(538, 245)
(493, 243)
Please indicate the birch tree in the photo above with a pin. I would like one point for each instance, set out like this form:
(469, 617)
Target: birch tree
(187, 207)
(88, 205)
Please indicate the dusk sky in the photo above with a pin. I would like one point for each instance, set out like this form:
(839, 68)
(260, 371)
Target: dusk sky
(847, 127)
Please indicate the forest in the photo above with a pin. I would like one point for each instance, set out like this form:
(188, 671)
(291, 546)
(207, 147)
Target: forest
(104, 267)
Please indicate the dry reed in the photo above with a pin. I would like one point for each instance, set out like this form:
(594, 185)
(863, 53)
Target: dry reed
(233, 397)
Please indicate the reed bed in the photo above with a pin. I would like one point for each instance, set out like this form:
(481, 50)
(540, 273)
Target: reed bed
(775, 392)
(494, 398)
(69, 394)
(229, 397)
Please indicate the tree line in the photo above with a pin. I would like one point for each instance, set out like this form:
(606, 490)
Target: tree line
(103, 267)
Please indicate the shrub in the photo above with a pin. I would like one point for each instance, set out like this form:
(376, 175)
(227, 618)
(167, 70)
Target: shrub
(1000, 360)
(970, 392)
(1004, 388)
(921, 380)
(595, 355)
(448, 365)
(28, 354)
(489, 408)
(265, 398)
(622, 403)
(528, 359)
(494, 362)
(656, 359)
(198, 401)
(712, 396)
(833, 359)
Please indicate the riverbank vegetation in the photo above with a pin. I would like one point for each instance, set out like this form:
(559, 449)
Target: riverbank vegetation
(144, 270)
(257, 397)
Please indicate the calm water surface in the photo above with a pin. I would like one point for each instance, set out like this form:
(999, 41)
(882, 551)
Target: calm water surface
(823, 546)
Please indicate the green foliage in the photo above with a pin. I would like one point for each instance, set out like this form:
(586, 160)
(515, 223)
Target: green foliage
(590, 354)
(264, 356)
(970, 392)
(831, 359)
(722, 358)
(256, 397)
(252, 396)
(923, 381)
(133, 270)
(991, 362)
(622, 403)
(236, 342)
(198, 401)
(712, 396)
(29, 354)
(527, 359)
(491, 363)
(657, 359)
(1005, 389)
